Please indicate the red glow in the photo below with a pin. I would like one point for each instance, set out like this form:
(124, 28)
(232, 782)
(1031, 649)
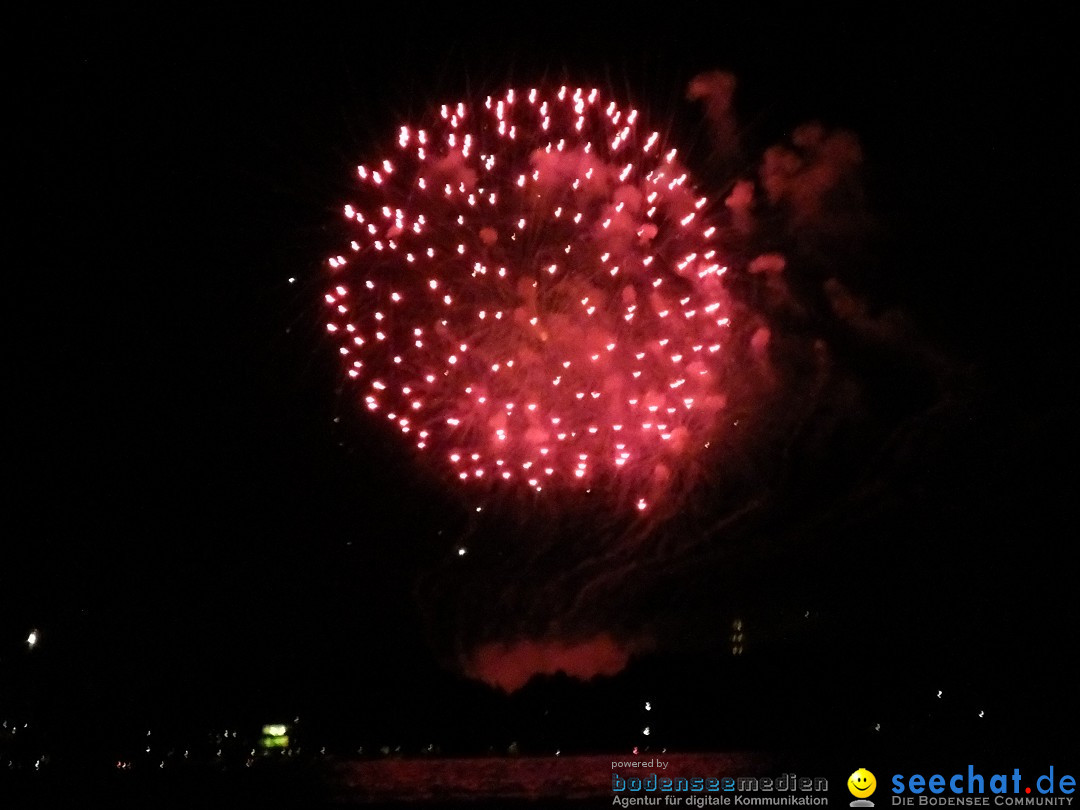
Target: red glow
(542, 261)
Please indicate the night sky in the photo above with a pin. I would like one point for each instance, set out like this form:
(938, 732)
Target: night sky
(206, 531)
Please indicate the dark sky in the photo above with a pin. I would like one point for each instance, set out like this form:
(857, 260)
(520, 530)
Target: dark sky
(189, 527)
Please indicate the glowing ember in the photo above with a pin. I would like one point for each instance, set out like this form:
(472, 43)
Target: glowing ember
(531, 297)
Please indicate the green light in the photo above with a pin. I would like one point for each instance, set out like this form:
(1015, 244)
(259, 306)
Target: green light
(274, 735)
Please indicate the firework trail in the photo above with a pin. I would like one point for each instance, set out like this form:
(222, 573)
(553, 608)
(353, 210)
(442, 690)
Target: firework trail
(532, 297)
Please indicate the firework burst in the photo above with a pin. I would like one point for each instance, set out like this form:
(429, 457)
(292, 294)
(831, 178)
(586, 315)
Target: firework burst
(532, 297)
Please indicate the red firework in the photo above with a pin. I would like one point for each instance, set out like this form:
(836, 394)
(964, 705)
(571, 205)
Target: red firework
(533, 298)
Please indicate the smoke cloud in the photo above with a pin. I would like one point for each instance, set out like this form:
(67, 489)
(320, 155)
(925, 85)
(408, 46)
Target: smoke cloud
(510, 665)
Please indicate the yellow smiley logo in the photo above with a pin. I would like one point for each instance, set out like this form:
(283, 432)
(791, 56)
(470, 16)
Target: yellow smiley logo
(861, 783)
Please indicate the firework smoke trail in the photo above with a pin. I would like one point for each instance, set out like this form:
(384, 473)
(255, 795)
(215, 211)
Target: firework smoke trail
(532, 297)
